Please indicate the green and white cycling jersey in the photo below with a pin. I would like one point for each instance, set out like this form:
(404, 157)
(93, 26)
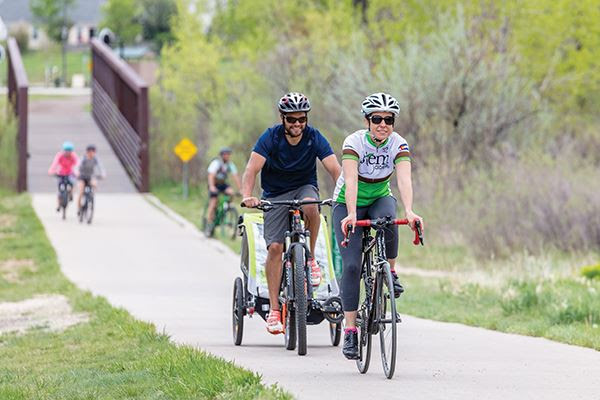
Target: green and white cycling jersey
(375, 165)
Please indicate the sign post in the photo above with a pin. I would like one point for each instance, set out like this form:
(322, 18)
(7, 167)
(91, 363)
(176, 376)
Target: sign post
(185, 150)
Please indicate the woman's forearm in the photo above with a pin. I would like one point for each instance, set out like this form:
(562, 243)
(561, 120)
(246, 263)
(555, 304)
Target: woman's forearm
(404, 179)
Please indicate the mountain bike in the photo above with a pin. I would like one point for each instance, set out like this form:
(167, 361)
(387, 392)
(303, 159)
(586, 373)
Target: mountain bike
(86, 212)
(65, 187)
(226, 217)
(298, 305)
(377, 309)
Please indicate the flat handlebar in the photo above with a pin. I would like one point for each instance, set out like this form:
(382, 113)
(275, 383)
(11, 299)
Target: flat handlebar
(266, 205)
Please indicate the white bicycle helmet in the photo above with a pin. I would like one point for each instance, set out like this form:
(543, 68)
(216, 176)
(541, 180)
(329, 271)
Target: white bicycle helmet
(294, 102)
(380, 102)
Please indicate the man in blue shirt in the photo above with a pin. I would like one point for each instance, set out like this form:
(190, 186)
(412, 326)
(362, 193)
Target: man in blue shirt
(286, 156)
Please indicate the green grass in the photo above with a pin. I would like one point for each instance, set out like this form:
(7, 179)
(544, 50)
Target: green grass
(113, 356)
(36, 62)
(565, 310)
(191, 208)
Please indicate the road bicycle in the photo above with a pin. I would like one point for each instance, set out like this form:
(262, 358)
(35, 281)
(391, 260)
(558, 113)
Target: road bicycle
(377, 308)
(298, 305)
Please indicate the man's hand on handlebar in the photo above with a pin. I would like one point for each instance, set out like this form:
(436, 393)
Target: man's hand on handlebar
(250, 202)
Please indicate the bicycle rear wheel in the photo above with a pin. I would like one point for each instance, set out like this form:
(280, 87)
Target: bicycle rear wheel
(300, 297)
(238, 311)
(386, 319)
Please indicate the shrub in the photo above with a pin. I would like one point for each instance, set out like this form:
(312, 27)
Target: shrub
(591, 271)
(21, 34)
(8, 146)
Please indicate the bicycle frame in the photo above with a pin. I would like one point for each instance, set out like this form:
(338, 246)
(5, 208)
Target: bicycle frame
(64, 184)
(223, 203)
(294, 237)
(372, 266)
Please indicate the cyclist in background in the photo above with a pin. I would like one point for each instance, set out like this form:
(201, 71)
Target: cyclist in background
(286, 156)
(63, 165)
(369, 158)
(89, 168)
(218, 172)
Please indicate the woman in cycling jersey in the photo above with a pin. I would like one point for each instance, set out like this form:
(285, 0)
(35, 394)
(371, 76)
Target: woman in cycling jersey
(369, 158)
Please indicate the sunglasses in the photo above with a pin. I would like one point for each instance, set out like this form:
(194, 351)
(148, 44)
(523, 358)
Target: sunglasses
(293, 120)
(376, 119)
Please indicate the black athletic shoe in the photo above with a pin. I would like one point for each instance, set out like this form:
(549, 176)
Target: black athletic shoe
(350, 348)
(398, 289)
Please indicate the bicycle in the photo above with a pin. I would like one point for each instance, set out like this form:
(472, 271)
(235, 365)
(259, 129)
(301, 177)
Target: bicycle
(65, 188)
(226, 216)
(86, 212)
(299, 307)
(377, 310)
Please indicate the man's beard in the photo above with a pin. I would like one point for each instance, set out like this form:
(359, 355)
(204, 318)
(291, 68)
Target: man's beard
(289, 133)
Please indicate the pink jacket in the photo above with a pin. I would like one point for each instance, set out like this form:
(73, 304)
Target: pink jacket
(63, 165)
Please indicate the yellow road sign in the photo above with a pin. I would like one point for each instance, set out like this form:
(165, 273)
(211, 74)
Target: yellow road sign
(185, 150)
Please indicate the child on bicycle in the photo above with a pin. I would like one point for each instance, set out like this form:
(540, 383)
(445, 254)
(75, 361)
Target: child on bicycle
(63, 165)
(369, 158)
(89, 168)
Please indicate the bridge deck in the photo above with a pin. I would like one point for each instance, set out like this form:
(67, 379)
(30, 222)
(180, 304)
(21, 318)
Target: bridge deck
(54, 120)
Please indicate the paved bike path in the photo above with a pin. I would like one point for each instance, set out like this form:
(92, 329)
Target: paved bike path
(164, 271)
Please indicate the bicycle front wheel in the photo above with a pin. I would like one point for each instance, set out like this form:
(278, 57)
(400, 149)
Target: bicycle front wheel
(387, 319)
(83, 211)
(90, 210)
(364, 341)
(363, 321)
(64, 200)
(300, 297)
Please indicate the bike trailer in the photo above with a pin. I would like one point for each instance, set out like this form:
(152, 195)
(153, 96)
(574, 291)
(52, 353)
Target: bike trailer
(254, 257)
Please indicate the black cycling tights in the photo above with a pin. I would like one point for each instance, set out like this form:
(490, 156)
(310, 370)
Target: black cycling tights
(351, 257)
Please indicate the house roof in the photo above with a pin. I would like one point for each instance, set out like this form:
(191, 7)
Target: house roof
(83, 11)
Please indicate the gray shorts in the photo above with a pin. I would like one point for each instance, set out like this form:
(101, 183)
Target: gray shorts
(277, 220)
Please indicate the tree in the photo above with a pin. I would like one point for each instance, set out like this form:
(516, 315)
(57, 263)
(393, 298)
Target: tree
(52, 14)
(122, 17)
(155, 17)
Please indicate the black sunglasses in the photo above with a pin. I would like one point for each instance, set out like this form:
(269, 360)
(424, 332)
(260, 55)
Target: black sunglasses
(293, 120)
(376, 119)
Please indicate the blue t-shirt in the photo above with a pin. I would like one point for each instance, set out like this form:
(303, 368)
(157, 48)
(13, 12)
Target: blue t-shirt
(290, 167)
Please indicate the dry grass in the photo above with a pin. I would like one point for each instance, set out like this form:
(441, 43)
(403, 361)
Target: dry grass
(11, 270)
(51, 313)
(7, 221)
